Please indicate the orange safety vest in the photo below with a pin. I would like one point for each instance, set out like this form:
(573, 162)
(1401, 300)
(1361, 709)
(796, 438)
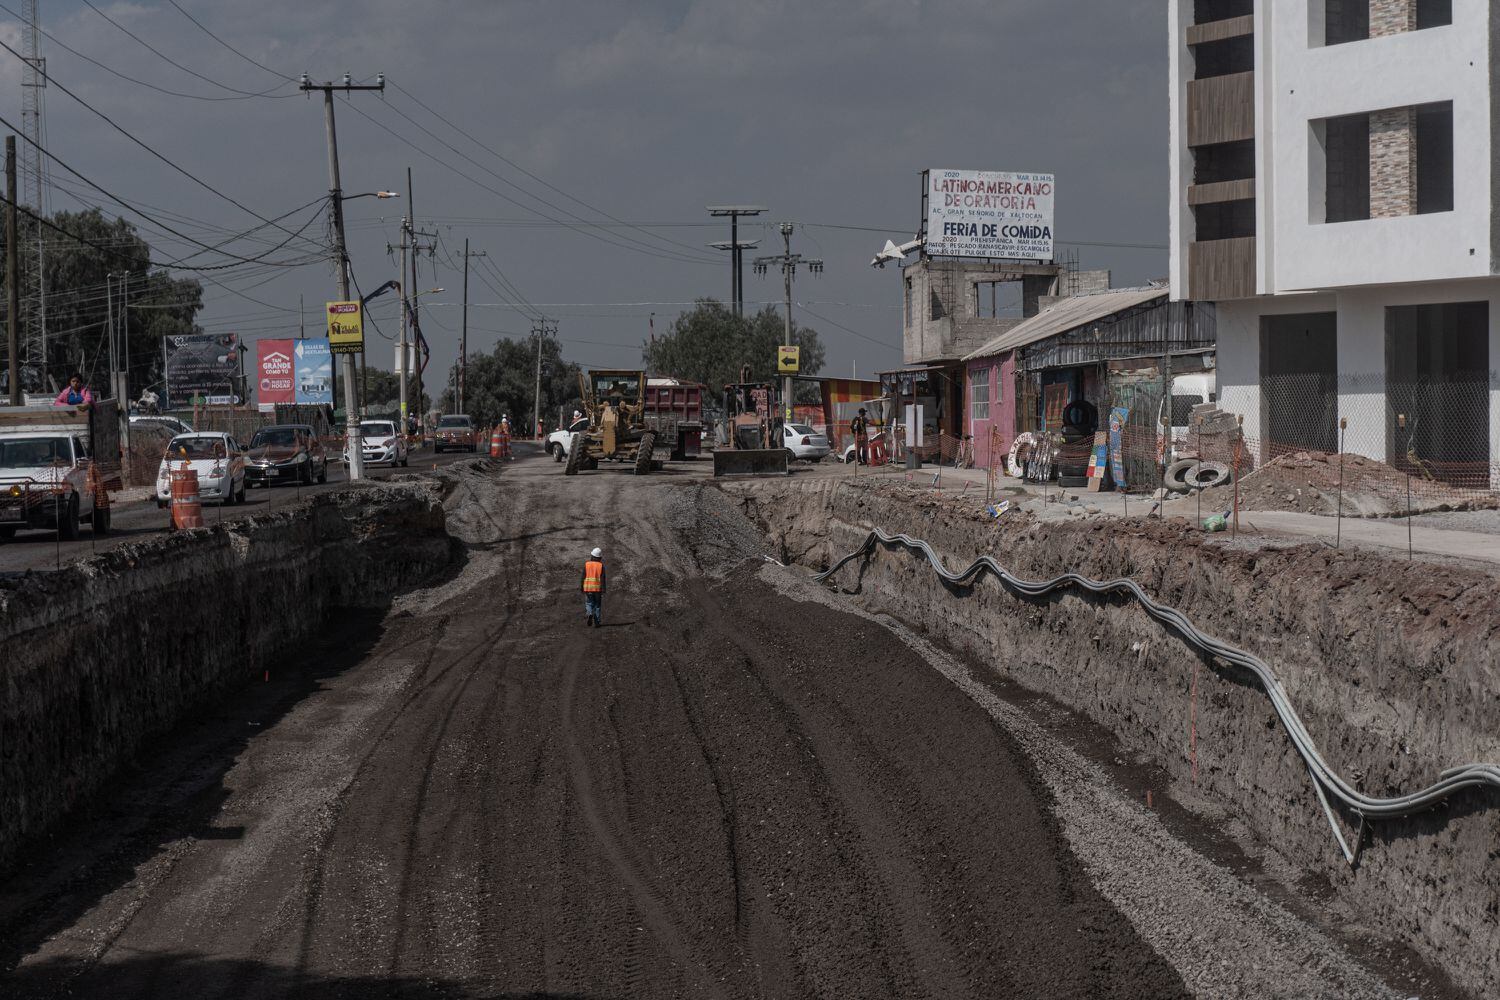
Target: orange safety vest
(593, 577)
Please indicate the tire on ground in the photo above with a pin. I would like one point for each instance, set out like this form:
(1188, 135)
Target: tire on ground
(1020, 451)
(1175, 478)
(1206, 475)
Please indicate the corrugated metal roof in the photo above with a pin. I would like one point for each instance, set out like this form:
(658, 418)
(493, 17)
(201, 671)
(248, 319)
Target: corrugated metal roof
(1065, 315)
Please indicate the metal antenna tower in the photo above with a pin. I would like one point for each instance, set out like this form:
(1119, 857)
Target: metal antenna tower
(34, 172)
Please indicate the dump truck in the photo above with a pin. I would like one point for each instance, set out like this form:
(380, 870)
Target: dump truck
(57, 466)
(675, 411)
(618, 431)
(753, 433)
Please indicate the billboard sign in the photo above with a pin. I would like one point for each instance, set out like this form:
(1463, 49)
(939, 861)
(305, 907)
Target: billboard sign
(201, 368)
(986, 213)
(314, 371)
(346, 328)
(275, 371)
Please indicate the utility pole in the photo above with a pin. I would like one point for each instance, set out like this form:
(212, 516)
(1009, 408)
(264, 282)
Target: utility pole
(416, 248)
(12, 273)
(355, 447)
(788, 262)
(409, 248)
(540, 330)
(463, 338)
(736, 249)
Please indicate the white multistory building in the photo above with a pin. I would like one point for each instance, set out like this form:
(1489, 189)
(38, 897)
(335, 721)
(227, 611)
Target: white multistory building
(1334, 192)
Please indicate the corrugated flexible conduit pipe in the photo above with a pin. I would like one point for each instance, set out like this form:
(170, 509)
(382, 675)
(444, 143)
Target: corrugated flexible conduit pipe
(1325, 780)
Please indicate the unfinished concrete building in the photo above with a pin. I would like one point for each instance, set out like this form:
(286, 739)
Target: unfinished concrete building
(1333, 192)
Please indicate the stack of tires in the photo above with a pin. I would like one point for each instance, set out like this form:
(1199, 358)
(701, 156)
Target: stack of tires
(1188, 474)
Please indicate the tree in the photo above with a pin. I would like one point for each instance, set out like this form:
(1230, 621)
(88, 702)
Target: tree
(78, 276)
(709, 344)
(503, 383)
(380, 392)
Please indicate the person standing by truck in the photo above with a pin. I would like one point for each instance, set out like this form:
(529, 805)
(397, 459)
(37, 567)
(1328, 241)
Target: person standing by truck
(593, 588)
(75, 393)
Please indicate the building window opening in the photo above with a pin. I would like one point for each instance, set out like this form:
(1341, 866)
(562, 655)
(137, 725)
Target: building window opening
(1221, 58)
(935, 310)
(1345, 21)
(1434, 141)
(1209, 11)
(997, 299)
(979, 394)
(1437, 361)
(1225, 220)
(908, 303)
(1434, 13)
(1224, 161)
(1344, 144)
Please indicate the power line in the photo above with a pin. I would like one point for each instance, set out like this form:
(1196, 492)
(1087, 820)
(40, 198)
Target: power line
(123, 76)
(168, 59)
(127, 134)
(636, 247)
(862, 336)
(231, 48)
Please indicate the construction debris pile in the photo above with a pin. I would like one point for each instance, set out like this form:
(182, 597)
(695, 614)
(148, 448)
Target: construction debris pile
(1309, 482)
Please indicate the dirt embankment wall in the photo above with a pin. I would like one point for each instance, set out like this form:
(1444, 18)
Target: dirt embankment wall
(1392, 666)
(107, 653)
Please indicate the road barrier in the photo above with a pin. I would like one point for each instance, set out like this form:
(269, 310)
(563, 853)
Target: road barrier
(187, 510)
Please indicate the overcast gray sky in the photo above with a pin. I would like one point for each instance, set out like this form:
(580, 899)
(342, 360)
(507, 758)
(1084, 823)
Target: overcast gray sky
(647, 110)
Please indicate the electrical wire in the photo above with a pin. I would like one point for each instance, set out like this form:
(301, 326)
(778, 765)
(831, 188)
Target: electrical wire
(1325, 780)
(231, 48)
(862, 336)
(170, 61)
(129, 79)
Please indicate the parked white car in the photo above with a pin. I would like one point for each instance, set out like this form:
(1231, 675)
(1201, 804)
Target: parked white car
(381, 443)
(801, 441)
(560, 440)
(218, 459)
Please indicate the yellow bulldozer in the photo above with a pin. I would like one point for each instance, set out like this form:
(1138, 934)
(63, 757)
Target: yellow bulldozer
(614, 402)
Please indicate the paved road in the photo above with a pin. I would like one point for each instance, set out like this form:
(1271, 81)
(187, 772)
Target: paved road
(724, 792)
(140, 519)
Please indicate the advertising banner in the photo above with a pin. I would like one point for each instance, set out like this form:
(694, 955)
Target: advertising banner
(275, 373)
(314, 371)
(985, 213)
(201, 368)
(346, 327)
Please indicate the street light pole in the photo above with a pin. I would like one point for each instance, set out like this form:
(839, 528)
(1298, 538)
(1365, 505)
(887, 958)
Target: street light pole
(353, 447)
(736, 249)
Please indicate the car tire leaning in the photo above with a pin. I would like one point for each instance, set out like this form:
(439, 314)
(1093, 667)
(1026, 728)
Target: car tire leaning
(67, 527)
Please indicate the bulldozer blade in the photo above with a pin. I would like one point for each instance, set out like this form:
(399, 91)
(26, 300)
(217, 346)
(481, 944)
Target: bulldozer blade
(750, 462)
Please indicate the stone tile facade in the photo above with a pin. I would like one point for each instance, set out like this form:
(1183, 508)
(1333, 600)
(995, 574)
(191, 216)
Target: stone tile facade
(1393, 163)
(1391, 17)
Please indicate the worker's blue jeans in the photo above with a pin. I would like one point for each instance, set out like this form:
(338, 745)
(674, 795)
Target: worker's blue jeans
(593, 605)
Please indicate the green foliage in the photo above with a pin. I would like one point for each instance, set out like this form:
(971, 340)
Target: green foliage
(380, 392)
(503, 382)
(709, 344)
(77, 306)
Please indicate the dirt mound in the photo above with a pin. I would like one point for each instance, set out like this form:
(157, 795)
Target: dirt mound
(1308, 482)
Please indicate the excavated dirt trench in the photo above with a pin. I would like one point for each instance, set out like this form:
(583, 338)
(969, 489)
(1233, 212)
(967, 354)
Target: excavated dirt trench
(1392, 666)
(743, 785)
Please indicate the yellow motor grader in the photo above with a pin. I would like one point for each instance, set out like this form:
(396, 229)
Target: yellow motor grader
(614, 402)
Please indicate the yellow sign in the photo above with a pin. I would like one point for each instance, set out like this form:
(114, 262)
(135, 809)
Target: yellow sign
(346, 328)
(788, 360)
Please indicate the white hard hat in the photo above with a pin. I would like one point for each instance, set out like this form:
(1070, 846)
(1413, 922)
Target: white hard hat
(597, 553)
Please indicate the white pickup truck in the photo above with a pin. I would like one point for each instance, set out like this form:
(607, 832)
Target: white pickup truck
(57, 464)
(560, 440)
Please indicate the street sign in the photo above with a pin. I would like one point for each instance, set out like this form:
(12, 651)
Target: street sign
(788, 360)
(346, 328)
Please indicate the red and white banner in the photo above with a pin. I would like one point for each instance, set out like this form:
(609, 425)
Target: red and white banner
(276, 373)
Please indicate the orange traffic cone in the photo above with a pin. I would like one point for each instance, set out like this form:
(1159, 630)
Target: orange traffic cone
(495, 440)
(187, 511)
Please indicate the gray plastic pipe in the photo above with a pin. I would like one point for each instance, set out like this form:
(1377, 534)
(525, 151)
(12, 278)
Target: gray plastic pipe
(1326, 782)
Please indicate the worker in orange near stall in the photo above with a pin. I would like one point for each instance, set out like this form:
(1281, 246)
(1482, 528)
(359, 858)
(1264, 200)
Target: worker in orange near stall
(593, 588)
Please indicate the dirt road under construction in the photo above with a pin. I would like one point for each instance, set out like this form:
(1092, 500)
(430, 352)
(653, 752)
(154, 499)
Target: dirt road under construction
(724, 792)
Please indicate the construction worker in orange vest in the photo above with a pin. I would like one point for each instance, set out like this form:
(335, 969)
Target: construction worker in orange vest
(593, 588)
